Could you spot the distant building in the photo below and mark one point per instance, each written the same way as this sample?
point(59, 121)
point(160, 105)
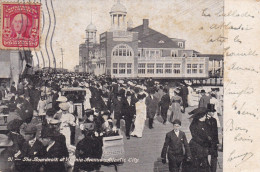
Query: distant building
point(126, 51)
point(90, 59)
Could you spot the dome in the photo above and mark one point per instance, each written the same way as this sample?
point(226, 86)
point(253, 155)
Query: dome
point(91, 27)
point(118, 7)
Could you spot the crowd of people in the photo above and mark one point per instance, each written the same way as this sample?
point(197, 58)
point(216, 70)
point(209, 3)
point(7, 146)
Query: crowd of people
point(105, 102)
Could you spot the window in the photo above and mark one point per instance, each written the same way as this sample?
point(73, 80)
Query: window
point(194, 65)
point(139, 53)
point(121, 71)
point(176, 71)
point(177, 65)
point(184, 55)
point(121, 65)
point(129, 65)
point(141, 65)
point(161, 42)
point(177, 68)
point(150, 71)
point(193, 68)
point(152, 53)
point(122, 50)
point(159, 65)
point(114, 65)
point(201, 68)
point(168, 71)
point(141, 71)
point(159, 71)
point(180, 44)
point(147, 53)
point(129, 71)
point(114, 71)
point(168, 65)
point(150, 65)
point(174, 53)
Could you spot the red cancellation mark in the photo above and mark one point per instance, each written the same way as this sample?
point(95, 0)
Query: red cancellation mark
point(20, 25)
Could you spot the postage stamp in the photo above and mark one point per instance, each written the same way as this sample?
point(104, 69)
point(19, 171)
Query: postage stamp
point(20, 25)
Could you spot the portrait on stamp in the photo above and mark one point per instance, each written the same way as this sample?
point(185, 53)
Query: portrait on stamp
point(20, 25)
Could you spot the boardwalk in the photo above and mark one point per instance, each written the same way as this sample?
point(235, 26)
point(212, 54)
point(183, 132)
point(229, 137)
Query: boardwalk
point(148, 148)
point(143, 152)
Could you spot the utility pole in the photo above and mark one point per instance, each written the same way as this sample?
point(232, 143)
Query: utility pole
point(61, 58)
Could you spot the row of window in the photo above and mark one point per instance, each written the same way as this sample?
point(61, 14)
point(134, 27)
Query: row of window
point(126, 68)
point(159, 65)
point(122, 65)
point(122, 50)
point(159, 71)
point(122, 71)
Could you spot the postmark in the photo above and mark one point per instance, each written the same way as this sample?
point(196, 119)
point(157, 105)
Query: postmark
point(20, 25)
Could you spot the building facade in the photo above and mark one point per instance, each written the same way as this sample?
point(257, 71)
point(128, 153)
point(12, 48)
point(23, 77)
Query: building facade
point(127, 52)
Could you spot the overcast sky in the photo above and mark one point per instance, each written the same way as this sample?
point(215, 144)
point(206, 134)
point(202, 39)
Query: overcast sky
point(175, 18)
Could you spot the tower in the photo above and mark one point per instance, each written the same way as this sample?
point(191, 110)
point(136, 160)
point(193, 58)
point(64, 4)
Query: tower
point(118, 17)
point(91, 33)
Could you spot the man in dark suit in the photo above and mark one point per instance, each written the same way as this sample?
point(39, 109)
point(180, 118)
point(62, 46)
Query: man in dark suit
point(151, 106)
point(173, 145)
point(164, 105)
point(213, 132)
point(55, 97)
point(184, 95)
point(31, 149)
point(104, 104)
point(117, 109)
point(53, 151)
point(128, 111)
point(204, 100)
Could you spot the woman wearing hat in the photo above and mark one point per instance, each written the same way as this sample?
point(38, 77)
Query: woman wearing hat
point(140, 116)
point(14, 133)
point(175, 108)
point(89, 147)
point(200, 142)
point(67, 120)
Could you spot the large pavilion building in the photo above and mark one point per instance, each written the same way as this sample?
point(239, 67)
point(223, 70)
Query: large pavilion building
point(124, 51)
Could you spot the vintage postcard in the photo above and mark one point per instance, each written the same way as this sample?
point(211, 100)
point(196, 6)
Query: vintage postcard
point(129, 86)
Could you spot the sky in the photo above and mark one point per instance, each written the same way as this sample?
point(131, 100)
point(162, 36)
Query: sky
point(175, 18)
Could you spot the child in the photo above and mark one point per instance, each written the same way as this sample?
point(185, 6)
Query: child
point(41, 108)
point(173, 146)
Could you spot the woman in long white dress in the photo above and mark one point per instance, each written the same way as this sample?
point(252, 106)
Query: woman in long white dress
point(87, 99)
point(193, 99)
point(67, 120)
point(140, 116)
